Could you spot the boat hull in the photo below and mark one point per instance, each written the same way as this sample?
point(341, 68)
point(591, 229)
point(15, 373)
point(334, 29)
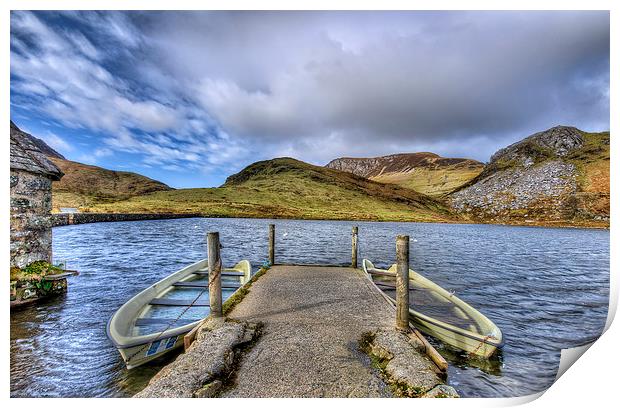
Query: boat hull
point(476, 344)
point(461, 341)
point(144, 353)
point(139, 349)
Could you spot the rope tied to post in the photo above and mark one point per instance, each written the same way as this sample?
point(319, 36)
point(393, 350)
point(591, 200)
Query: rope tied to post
point(483, 341)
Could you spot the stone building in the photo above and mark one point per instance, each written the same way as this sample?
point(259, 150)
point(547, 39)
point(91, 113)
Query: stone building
point(31, 200)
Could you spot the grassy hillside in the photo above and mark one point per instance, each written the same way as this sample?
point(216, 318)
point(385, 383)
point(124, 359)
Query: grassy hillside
point(84, 186)
point(434, 181)
point(288, 188)
point(592, 163)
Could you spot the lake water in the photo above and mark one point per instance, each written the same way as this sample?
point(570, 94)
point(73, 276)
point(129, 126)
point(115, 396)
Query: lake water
point(546, 288)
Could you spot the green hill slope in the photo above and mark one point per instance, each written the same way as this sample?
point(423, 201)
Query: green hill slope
point(83, 185)
point(288, 188)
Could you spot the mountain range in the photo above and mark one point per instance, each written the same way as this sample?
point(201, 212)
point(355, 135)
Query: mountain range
point(289, 188)
point(427, 173)
point(556, 177)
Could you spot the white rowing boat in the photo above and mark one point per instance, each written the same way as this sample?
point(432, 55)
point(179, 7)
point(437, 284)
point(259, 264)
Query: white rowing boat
point(439, 313)
point(156, 320)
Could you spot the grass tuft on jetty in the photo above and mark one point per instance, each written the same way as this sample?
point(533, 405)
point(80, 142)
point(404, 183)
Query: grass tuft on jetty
point(238, 296)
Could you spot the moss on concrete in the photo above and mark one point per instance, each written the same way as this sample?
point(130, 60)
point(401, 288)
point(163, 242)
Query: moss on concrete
point(403, 368)
point(238, 296)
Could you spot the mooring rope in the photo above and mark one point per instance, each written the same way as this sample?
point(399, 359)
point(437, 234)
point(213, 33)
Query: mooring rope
point(483, 341)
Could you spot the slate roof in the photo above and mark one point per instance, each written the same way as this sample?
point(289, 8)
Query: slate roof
point(25, 155)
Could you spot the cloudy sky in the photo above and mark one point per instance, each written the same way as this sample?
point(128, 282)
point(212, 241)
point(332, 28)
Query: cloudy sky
point(191, 97)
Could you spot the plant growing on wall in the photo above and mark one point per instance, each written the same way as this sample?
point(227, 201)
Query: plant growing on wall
point(34, 274)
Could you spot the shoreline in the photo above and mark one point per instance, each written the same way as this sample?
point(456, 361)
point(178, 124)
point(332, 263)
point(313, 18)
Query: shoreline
point(64, 219)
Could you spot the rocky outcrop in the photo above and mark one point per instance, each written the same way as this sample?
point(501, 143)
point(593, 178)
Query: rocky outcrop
point(400, 358)
point(541, 178)
point(202, 370)
point(395, 163)
point(557, 141)
point(39, 144)
point(543, 188)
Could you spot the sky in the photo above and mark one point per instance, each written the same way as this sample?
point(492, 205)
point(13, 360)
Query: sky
point(189, 98)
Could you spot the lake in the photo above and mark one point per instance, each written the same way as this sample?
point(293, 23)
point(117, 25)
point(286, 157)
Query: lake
point(546, 288)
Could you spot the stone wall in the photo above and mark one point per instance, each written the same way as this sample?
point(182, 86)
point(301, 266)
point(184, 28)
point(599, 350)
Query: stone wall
point(84, 218)
point(31, 202)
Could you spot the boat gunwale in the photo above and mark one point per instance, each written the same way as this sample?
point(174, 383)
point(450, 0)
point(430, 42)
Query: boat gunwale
point(446, 326)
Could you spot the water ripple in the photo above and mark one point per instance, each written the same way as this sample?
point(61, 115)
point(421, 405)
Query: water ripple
point(546, 288)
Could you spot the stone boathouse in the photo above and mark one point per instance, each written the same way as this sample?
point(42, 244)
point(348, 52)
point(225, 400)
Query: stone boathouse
point(32, 174)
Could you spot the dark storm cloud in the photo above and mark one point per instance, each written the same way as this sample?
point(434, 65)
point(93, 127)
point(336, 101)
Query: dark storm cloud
point(392, 79)
point(314, 85)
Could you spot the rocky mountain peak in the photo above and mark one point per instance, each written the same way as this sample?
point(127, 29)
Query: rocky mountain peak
point(395, 163)
point(559, 174)
point(557, 141)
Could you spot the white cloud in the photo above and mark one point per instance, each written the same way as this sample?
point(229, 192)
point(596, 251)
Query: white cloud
point(201, 90)
point(57, 143)
point(147, 115)
point(102, 152)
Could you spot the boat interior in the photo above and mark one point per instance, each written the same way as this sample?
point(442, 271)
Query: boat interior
point(427, 301)
point(184, 302)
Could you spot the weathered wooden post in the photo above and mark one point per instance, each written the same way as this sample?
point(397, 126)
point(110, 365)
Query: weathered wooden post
point(215, 274)
point(272, 244)
point(402, 282)
point(354, 247)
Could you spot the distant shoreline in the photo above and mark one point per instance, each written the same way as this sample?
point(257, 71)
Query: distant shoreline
point(63, 219)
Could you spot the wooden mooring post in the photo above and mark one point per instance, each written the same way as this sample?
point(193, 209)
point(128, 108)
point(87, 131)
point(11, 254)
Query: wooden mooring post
point(215, 274)
point(402, 282)
point(354, 247)
point(272, 244)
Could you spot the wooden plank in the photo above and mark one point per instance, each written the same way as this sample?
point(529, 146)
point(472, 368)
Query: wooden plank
point(385, 285)
point(59, 276)
point(381, 273)
point(205, 272)
point(430, 351)
point(162, 322)
point(178, 302)
point(203, 284)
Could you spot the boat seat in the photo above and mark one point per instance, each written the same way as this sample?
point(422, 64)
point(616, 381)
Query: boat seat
point(202, 284)
point(381, 273)
point(204, 272)
point(178, 302)
point(162, 322)
point(385, 285)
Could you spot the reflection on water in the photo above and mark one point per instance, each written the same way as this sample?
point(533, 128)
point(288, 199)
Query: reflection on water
point(546, 289)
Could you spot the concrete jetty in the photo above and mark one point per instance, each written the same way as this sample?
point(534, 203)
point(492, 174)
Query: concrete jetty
point(304, 331)
point(314, 321)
